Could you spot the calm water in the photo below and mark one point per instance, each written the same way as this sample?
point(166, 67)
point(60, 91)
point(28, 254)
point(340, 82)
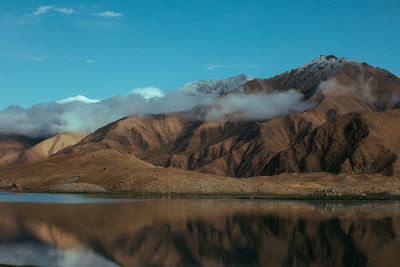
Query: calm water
point(73, 230)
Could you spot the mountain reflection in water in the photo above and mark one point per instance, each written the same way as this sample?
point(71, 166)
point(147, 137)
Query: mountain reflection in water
point(193, 232)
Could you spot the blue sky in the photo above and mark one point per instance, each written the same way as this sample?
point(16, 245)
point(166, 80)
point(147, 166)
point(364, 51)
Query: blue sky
point(50, 50)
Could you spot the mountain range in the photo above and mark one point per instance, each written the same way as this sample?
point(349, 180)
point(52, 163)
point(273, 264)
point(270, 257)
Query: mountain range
point(349, 126)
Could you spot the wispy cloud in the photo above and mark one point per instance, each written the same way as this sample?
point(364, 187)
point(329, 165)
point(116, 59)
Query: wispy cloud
point(90, 61)
point(253, 66)
point(42, 10)
point(213, 66)
point(108, 14)
point(45, 9)
point(64, 10)
point(38, 58)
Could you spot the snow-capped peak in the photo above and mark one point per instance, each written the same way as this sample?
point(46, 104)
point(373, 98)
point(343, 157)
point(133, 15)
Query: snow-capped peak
point(78, 98)
point(214, 87)
point(324, 64)
point(319, 69)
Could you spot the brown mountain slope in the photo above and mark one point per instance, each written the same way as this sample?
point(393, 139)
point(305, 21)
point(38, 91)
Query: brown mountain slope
point(18, 149)
point(230, 148)
point(110, 170)
point(11, 147)
point(49, 146)
point(363, 142)
point(219, 147)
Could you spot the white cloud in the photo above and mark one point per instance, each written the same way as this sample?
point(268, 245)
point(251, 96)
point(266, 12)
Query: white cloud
point(64, 10)
point(78, 98)
point(257, 106)
point(86, 116)
point(108, 14)
point(252, 66)
point(38, 58)
point(148, 92)
point(212, 66)
point(44, 9)
point(90, 61)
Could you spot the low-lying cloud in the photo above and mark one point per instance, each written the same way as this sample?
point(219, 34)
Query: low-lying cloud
point(80, 115)
point(148, 92)
point(364, 90)
point(257, 106)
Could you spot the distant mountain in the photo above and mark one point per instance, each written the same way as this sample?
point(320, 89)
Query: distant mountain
point(214, 87)
point(19, 149)
point(12, 146)
point(49, 146)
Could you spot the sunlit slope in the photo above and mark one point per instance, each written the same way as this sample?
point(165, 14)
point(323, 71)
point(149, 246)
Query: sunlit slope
point(49, 146)
point(112, 171)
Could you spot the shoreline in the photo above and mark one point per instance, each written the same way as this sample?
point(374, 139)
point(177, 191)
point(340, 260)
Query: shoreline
point(135, 195)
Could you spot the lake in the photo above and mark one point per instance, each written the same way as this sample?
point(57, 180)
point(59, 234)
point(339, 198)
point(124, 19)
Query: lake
point(84, 230)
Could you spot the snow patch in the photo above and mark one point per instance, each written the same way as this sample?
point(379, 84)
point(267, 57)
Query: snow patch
point(325, 64)
point(78, 98)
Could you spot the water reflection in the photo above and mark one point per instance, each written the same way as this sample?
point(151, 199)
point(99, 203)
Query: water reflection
point(33, 251)
point(204, 232)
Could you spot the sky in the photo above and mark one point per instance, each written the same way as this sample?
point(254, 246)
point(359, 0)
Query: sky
point(52, 50)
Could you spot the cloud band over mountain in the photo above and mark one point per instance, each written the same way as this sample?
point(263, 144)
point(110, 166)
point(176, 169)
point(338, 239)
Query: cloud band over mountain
point(45, 120)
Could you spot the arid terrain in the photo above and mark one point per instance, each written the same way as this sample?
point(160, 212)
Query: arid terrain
point(20, 149)
point(112, 171)
point(346, 143)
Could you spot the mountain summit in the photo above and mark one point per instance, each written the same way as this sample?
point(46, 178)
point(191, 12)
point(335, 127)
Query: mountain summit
point(325, 64)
